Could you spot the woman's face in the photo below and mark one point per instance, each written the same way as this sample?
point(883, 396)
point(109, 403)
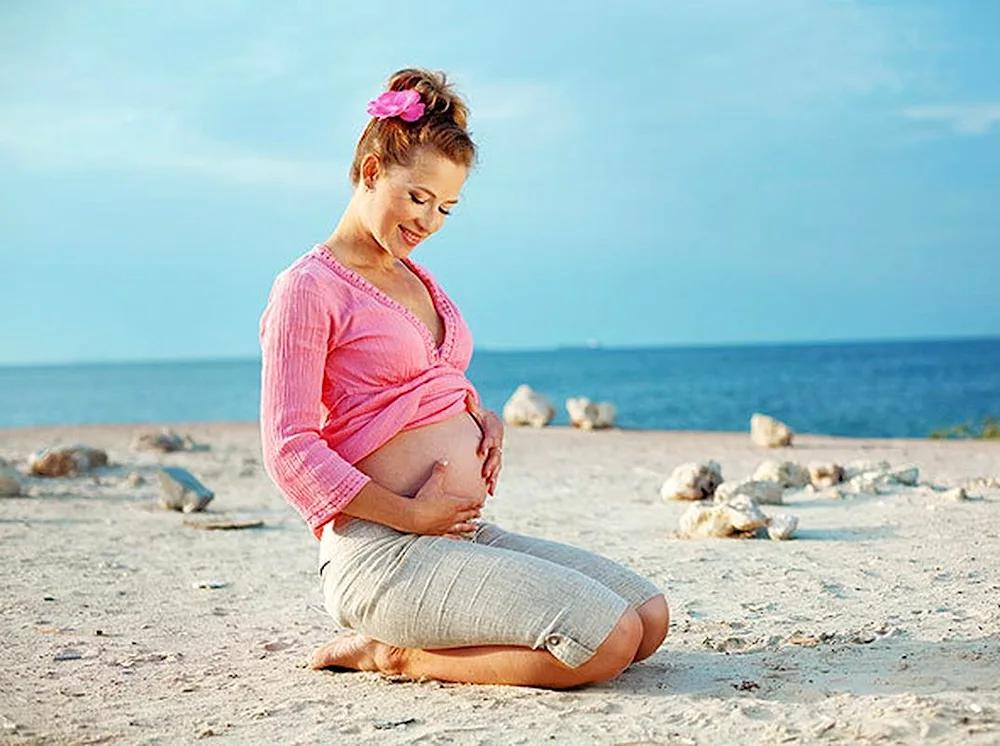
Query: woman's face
point(409, 203)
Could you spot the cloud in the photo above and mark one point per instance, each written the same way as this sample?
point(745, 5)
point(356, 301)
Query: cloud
point(118, 136)
point(965, 119)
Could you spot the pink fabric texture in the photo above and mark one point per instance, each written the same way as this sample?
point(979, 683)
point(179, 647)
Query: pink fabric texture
point(344, 369)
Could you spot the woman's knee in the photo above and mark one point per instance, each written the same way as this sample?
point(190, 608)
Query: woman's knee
point(655, 618)
point(618, 649)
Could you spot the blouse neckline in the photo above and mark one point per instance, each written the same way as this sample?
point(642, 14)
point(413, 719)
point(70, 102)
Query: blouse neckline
point(438, 300)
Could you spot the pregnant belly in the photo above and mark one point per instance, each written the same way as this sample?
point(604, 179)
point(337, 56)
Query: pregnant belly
point(404, 463)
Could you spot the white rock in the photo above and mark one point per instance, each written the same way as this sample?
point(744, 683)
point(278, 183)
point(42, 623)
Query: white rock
point(958, 494)
point(908, 476)
point(768, 432)
point(788, 474)
point(10, 481)
point(588, 415)
point(857, 468)
point(744, 514)
point(782, 526)
point(762, 492)
point(825, 475)
point(705, 522)
point(692, 481)
point(870, 483)
point(527, 407)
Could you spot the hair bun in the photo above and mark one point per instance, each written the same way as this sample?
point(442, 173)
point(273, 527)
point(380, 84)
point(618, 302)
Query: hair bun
point(435, 91)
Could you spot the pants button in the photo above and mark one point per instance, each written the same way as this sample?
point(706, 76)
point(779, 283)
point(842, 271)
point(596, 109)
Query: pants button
point(553, 640)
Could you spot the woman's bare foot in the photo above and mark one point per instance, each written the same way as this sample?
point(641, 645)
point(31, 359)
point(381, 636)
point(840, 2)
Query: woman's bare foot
point(357, 653)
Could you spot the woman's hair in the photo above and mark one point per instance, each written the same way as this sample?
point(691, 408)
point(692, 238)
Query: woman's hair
point(442, 126)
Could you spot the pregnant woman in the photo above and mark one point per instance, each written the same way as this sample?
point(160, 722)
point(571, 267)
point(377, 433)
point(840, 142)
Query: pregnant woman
point(372, 431)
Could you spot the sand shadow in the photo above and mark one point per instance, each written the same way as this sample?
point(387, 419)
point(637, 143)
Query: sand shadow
point(795, 673)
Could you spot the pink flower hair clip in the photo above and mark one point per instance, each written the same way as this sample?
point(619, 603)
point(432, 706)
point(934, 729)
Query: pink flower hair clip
point(403, 104)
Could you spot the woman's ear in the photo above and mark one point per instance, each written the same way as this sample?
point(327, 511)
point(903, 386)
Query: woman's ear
point(370, 169)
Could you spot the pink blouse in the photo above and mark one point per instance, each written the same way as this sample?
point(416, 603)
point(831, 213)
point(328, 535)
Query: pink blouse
point(344, 369)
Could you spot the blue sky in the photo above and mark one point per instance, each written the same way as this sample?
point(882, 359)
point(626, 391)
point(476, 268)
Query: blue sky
point(683, 172)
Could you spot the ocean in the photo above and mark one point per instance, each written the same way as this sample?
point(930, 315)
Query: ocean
point(864, 389)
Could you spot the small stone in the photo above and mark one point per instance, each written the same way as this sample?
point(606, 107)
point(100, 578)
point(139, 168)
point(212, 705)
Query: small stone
point(10, 481)
point(527, 407)
point(588, 415)
point(181, 490)
point(782, 526)
point(66, 462)
point(768, 432)
point(825, 475)
point(211, 585)
point(135, 479)
point(165, 441)
point(787, 474)
point(956, 494)
point(692, 481)
point(68, 654)
point(870, 483)
point(908, 476)
point(764, 493)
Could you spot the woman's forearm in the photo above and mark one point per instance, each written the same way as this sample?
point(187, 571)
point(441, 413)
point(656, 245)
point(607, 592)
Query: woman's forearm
point(377, 504)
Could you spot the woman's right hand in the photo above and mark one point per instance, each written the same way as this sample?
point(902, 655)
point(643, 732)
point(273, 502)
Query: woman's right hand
point(436, 512)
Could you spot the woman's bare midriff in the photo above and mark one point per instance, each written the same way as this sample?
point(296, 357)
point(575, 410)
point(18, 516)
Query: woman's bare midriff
point(404, 463)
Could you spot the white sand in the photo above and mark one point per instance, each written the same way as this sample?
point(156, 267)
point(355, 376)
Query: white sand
point(881, 623)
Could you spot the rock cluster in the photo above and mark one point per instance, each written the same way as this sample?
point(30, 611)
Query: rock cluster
point(66, 461)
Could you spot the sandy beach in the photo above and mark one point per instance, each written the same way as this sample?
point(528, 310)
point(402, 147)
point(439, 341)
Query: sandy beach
point(879, 623)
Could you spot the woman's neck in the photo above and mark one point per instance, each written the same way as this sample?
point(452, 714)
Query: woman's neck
point(354, 245)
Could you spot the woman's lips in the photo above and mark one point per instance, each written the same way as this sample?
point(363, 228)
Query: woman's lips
point(411, 238)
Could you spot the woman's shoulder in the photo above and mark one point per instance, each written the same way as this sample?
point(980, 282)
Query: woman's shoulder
point(311, 273)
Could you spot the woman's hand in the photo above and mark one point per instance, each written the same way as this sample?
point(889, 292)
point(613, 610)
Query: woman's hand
point(491, 444)
point(436, 512)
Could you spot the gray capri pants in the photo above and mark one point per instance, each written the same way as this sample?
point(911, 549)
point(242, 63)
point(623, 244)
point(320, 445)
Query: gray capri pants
point(492, 588)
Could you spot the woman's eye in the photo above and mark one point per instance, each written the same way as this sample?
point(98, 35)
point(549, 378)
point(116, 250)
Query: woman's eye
point(444, 211)
point(418, 201)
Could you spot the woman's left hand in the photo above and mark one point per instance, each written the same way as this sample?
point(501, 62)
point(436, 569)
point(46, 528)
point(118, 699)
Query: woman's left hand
point(491, 444)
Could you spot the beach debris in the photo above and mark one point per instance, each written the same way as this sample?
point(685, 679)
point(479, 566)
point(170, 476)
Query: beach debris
point(10, 481)
point(825, 474)
point(528, 407)
point(741, 516)
point(66, 461)
point(788, 474)
point(762, 492)
point(781, 526)
point(588, 415)
point(224, 525)
point(68, 654)
point(876, 478)
point(957, 494)
point(390, 724)
point(746, 686)
point(181, 490)
point(768, 432)
point(692, 481)
point(210, 585)
point(135, 479)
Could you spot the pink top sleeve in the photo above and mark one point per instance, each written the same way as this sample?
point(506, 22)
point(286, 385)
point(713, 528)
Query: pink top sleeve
point(296, 331)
